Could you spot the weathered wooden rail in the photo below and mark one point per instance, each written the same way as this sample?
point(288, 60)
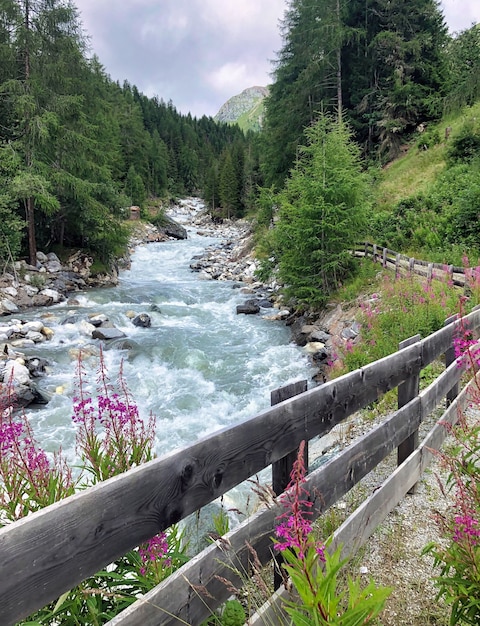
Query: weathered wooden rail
point(401, 263)
point(49, 552)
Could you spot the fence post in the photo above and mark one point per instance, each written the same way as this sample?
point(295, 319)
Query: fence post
point(282, 468)
point(408, 390)
point(411, 265)
point(374, 253)
point(449, 359)
point(429, 273)
point(450, 274)
point(384, 258)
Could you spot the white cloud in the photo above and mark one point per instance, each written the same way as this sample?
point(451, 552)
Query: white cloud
point(199, 53)
point(461, 14)
point(228, 77)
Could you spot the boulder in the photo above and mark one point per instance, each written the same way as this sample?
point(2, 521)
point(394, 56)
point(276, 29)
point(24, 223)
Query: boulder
point(143, 320)
point(7, 306)
point(36, 366)
point(107, 334)
point(53, 294)
point(172, 229)
point(249, 308)
point(16, 370)
point(34, 326)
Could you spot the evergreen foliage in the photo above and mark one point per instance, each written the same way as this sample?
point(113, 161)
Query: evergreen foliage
point(322, 213)
point(381, 63)
point(76, 148)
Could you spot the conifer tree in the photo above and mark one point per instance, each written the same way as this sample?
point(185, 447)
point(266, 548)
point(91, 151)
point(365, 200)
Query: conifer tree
point(322, 212)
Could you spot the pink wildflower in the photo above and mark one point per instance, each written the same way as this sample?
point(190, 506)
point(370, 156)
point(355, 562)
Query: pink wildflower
point(295, 525)
point(466, 528)
point(154, 552)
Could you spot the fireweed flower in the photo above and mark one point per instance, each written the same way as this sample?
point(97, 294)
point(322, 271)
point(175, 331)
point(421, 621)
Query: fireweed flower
point(295, 527)
point(466, 527)
point(155, 552)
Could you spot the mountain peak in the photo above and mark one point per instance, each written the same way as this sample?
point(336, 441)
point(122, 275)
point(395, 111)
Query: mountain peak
point(245, 109)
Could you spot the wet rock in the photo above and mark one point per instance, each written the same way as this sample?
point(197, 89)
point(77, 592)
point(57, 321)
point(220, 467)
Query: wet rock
point(143, 320)
point(107, 334)
point(7, 306)
point(249, 308)
point(72, 319)
point(16, 371)
point(36, 366)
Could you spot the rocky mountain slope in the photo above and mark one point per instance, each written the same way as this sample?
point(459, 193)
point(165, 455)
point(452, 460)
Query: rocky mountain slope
point(245, 109)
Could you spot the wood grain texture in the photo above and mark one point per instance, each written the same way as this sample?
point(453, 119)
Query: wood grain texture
point(356, 530)
point(330, 482)
point(51, 551)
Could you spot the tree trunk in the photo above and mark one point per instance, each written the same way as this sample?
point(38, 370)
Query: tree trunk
point(339, 68)
point(32, 243)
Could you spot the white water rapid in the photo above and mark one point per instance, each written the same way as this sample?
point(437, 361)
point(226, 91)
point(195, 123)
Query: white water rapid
point(198, 368)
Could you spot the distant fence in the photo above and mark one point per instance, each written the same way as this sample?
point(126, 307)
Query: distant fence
point(51, 551)
point(401, 263)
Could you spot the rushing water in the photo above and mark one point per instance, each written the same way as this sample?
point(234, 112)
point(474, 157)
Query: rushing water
point(198, 368)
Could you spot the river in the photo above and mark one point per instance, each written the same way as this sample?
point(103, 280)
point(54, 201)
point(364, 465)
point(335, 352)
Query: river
point(198, 368)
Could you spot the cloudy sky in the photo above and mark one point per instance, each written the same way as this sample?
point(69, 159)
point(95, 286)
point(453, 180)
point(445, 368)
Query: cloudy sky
point(199, 53)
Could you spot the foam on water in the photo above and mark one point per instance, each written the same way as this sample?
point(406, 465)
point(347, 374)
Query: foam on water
point(199, 367)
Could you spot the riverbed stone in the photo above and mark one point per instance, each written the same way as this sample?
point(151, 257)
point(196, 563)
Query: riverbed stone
point(53, 294)
point(35, 326)
point(107, 333)
point(249, 308)
point(35, 336)
point(17, 371)
point(7, 306)
point(143, 320)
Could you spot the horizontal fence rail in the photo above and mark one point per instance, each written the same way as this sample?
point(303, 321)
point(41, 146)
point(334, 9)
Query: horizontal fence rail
point(402, 264)
point(51, 551)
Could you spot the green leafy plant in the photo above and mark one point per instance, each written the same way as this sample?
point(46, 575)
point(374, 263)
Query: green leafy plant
point(458, 556)
point(111, 438)
point(314, 571)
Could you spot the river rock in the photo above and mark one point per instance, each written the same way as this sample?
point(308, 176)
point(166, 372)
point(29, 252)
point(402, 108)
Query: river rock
point(98, 319)
point(249, 308)
point(86, 328)
point(53, 294)
point(172, 229)
point(72, 319)
point(143, 320)
point(35, 336)
point(107, 333)
point(7, 306)
point(34, 326)
point(36, 366)
point(41, 299)
point(48, 332)
point(84, 352)
point(17, 371)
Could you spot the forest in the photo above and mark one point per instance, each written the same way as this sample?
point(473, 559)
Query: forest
point(353, 85)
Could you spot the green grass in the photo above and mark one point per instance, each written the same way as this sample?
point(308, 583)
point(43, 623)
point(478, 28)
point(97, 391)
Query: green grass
point(417, 169)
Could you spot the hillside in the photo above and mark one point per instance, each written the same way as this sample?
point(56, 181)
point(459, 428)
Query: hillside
point(245, 109)
point(426, 201)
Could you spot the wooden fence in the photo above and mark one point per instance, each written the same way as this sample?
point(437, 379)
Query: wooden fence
point(51, 551)
point(403, 264)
